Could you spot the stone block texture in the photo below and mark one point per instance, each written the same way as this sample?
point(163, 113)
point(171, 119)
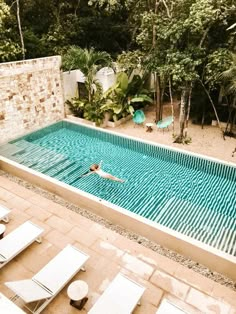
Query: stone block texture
point(31, 96)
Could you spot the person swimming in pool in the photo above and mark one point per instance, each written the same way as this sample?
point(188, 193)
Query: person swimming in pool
point(95, 168)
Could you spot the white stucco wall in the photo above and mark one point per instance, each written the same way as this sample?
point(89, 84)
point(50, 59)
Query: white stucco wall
point(70, 83)
point(105, 76)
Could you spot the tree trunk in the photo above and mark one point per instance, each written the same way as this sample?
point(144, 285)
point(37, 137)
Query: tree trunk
point(203, 115)
point(233, 122)
point(77, 6)
point(234, 117)
point(20, 30)
point(157, 96)
point(158, 86)
point(182, 115)
point(182, 112)
point(229, 122)
point(171, 103)
point(155, 93)
point(213, 106)
point(188, 111)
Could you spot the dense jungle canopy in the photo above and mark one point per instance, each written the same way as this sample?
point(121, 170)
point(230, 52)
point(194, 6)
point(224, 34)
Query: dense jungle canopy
point(189, 45)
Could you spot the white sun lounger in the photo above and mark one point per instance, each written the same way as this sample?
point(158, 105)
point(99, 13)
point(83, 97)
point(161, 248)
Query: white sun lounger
point(4, 213)
point(18, 240)
point(167, 307)
point(121, 297)
point(48, 282)
point(8, 307)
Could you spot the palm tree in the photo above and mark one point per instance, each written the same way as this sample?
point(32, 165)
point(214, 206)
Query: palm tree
point(89, 62)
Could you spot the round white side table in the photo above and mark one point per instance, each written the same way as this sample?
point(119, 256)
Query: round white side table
point(77, 292)
point(2, 230)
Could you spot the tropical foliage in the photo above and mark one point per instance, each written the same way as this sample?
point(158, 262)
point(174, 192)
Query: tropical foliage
point(125, 96)
point(89, 62)
point(183, 45)
point(9, 50)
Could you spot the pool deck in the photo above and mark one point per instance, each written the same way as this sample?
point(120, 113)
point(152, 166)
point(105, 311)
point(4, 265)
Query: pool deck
point(207, 141)
point(109, 253)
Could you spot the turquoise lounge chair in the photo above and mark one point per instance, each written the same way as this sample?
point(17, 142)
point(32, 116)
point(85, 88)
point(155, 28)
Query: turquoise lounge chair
point(139, 117)
point(164, 123)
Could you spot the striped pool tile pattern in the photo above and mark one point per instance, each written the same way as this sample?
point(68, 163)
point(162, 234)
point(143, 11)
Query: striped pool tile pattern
point(184, 192)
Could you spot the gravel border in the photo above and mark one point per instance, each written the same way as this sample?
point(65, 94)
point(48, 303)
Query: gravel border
point(199, 268)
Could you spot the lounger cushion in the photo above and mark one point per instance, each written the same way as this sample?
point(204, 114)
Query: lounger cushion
point(17, 240)
point(8, 307)
point(121, 297)
point(168, 307)
point(60, 268)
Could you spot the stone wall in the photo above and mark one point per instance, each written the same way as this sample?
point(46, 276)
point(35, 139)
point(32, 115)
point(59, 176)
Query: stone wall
point(31, 96)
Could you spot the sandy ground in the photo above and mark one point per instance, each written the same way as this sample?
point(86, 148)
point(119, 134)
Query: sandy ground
point(207, 141)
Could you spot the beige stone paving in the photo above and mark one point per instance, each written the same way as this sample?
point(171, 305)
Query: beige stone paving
point(109, 253)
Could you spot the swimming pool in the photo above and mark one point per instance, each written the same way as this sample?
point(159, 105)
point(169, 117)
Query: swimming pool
point(184, 192)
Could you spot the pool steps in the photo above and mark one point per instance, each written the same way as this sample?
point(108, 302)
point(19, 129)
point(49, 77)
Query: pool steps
point(9, 150)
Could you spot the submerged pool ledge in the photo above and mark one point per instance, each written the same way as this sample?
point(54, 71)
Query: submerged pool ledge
point(212, 258)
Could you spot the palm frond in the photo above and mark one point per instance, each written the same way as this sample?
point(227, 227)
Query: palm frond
point(87, 60)
point(231, 88)
point(229, 74)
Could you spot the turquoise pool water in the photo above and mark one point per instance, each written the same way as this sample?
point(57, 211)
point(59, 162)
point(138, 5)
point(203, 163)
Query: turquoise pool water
point(189, 194)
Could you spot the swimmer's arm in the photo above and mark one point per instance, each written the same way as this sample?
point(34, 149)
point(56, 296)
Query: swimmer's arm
point(86, 174)
point(100, 164)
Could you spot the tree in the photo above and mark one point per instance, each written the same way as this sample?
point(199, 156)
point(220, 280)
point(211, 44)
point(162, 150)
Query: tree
point(52, 26)
point(8, 48)
point(178, 37)
point(20, 29)
point(229, 81)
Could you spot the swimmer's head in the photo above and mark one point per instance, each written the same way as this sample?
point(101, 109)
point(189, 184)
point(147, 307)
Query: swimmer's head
point(94, 167)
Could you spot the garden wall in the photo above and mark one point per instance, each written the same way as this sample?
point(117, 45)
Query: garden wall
point(70, 83)
point(31, 96)
point(105, 76)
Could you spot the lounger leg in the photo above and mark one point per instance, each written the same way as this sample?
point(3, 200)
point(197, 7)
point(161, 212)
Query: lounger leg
point(14, 298)
point(6, 219)
point(39, 240)
point(82, 269)
point(79, 304)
